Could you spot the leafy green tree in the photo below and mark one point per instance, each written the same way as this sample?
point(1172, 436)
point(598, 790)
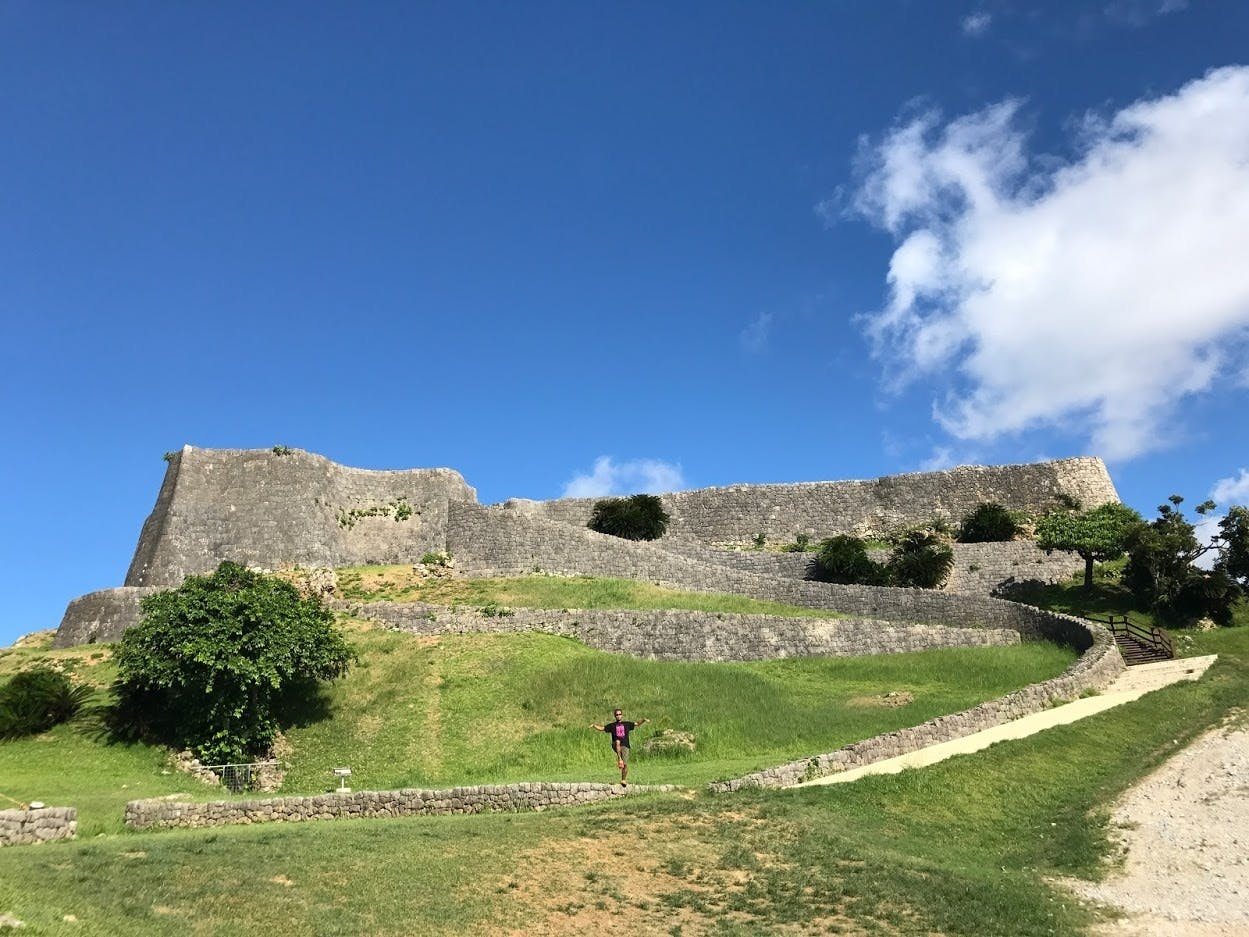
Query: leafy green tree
point(1097, 535)
point(214, 662)
point(637, 517)
point(1162, 568)
point(1234, 544)
point(989, 522)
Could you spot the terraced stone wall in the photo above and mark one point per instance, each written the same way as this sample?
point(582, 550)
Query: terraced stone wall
point(691, 636)
point(1098, 665)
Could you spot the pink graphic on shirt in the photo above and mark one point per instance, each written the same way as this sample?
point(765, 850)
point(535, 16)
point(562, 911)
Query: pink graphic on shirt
point(620, 732)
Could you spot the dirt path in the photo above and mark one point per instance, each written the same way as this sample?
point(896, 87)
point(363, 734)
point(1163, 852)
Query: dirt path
point(1185, 830)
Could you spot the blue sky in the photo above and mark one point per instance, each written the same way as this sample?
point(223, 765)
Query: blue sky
point(592, 247)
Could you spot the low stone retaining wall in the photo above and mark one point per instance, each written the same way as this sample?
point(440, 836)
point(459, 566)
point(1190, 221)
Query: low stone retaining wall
point(42, 825)
point(690, 636)
point(1100, 664)
point(490, 798)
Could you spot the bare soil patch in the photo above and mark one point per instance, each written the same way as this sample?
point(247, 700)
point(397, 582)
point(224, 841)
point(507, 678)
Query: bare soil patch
point(1184, 838)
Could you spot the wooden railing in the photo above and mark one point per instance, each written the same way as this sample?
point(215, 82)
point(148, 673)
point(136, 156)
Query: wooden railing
point(1150, 636)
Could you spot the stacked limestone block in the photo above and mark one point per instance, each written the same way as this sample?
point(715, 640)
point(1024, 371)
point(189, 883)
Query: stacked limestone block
point(39, 825)
point(489, 798)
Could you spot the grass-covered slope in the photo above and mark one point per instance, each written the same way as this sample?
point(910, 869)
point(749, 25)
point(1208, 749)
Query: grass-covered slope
point(965, 848)
point(402, 584)
point(425, 711)
point(465, 709)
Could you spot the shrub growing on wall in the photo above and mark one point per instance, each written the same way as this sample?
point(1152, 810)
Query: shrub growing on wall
point(215, 661)
point(990, 522)
point(922, 560)
point(844, 559)
point(637, 517)
point(35, 700)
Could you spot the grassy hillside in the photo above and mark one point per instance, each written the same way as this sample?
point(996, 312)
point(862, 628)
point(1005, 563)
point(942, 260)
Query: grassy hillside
point(435, 711)
point(965, 848)
point(463, 709)
point(401, 584)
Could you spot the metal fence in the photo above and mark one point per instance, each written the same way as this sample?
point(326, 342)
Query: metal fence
point(241, 777)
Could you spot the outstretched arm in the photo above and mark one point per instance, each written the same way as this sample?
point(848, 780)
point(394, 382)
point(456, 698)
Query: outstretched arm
point(596, 728)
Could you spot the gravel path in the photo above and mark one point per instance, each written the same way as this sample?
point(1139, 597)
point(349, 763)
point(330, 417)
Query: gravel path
point(1185, 830)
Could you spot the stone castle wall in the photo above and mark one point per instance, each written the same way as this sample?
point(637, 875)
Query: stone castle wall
point(266, 509)
point(737, 513)
point(276, 509)
point(689, 635)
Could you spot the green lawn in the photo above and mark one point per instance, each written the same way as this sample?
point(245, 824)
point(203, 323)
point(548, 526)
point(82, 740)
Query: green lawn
point(469, 709)
point(492, 708)
point(401, 584)
point(965, 847)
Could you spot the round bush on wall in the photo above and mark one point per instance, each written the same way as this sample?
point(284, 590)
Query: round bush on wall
point(844, 559)
point(921, 560)
point(990, 522)
point(637, 517)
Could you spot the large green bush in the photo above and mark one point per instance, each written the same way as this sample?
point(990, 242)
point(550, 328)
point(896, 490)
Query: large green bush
point(35, 700)
point(844, 559)
point(1097, 535)
point(637, 517)
point(989, 522)
point(922, 559)
point(215, 663)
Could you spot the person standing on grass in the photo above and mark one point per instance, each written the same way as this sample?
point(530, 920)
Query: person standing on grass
point(618, 732)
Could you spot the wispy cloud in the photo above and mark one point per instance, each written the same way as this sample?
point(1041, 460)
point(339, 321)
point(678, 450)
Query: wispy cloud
point(608, 477)
point(754, 338)
point(1232, 490)
point(977, 24)
point(1095, 294)
point(1138, 13)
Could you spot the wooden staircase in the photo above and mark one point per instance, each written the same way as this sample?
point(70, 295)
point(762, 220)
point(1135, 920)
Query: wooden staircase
point(1138, 644)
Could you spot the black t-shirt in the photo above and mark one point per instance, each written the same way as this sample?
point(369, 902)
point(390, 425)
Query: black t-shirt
point(619, 730)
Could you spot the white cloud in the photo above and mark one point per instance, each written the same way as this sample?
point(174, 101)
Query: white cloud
point(646, 476)
point(754, 337)
point(1094, 293)
point(1234, 490)
point(976, 24)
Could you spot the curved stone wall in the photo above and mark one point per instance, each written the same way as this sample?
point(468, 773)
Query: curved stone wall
point(1098, 665)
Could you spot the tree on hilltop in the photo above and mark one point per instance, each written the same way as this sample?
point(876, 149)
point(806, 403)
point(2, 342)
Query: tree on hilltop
point(1097, 535)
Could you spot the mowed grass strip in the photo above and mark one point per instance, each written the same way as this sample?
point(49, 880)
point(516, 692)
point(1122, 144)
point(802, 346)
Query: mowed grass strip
point(475, 709)
point(965, 848)
point(403, 584)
